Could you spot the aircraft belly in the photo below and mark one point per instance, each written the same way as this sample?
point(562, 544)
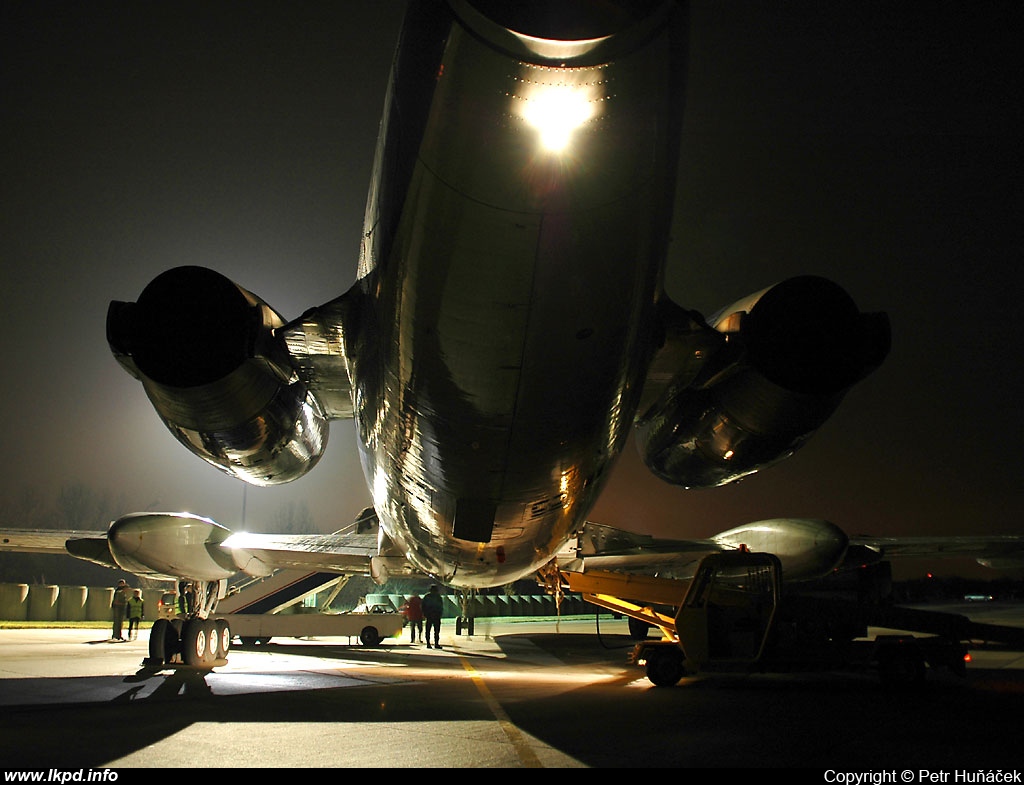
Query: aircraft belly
point(515, 360)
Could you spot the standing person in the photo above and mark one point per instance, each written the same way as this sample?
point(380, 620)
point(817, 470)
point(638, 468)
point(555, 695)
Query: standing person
point(134, 611)
point(433, 608)
point(117, 609)
point(413, 612)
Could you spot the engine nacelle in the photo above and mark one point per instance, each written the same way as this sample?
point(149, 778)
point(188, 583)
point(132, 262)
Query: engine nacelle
point(791, 352)
point(176, 545)
point(207, 356)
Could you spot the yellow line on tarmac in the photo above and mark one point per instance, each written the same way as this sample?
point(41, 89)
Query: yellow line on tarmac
point(526, 754)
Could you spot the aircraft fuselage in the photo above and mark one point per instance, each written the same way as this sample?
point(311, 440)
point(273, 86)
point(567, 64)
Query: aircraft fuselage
point(508, 288)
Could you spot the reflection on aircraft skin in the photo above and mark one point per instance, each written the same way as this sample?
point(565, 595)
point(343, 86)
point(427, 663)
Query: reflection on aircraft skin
point(509, 325)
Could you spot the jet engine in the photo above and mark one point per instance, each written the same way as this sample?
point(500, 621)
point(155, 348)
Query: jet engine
point(206, 353)
point(175, 545)
point(786, 358)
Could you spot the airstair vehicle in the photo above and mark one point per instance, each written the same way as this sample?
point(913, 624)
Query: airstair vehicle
point(736, 616)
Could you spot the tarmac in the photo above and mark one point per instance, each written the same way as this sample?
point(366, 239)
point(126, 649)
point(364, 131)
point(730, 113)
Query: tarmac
point(538, 694)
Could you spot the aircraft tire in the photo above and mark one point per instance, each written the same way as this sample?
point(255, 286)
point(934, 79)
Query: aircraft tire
point(194, 643)
point(212, 643)
point(369, 636)
point(223, 638)
point(163, 642)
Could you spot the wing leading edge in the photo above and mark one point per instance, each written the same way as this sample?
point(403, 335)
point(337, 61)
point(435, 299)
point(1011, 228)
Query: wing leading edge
point(1000, 552)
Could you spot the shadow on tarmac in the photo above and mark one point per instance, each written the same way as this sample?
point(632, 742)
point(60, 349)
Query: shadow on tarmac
point(588, 704)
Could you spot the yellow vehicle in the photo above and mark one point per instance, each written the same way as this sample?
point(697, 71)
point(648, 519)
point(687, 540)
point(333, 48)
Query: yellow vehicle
point(734, 618)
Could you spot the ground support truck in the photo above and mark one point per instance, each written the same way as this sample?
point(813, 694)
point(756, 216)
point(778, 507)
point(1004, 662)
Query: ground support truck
point(734, 616)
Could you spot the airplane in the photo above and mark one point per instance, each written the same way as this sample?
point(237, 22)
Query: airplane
point(508, 328)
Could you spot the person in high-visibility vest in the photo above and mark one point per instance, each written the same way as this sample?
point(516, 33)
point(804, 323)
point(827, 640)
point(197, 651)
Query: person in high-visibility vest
point(134, 611)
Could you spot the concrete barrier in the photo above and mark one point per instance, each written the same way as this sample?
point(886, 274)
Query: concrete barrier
point(71, 602)
point(42, 602)
point(97, 605)
point(13, 601)
point(24, 602)
point(484, 606)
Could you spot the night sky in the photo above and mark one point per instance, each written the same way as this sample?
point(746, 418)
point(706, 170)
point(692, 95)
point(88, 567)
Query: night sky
point(874, 143)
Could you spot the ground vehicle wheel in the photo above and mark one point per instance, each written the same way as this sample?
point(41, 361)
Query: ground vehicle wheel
point(638, 629)
point(223, 638)
point(194, 643)
point(901, 669)
point(369, 636)
point(163, 642)
point(664, 668)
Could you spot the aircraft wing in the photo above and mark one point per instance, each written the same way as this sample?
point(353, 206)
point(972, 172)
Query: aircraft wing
point(341, 553)
point(808, 548)
point(51, 541)
point(608, 549)
point(181, 545)
point(996, 551)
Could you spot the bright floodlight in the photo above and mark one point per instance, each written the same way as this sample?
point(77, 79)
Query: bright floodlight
point(556, 112)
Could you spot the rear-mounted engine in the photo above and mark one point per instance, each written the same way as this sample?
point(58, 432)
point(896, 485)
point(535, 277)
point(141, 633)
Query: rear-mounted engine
point(206, 353)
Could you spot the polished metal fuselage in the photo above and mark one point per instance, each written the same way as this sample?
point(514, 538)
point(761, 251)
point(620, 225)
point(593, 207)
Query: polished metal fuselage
point(507, 292)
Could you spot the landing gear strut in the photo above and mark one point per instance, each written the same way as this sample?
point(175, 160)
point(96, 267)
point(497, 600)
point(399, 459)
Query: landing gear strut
point(464, 622)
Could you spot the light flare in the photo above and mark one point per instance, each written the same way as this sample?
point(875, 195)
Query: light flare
point(556, 112)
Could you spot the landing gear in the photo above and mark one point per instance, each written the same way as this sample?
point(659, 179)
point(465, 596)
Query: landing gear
point(464, 621)
point(198, 641)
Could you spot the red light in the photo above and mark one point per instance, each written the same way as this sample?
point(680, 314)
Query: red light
point(967, 657)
